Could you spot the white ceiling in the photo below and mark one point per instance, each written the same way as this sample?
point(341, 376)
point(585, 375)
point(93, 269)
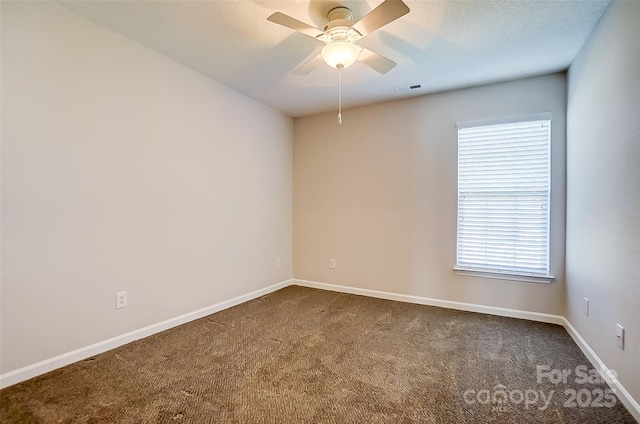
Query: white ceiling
point(441, 44)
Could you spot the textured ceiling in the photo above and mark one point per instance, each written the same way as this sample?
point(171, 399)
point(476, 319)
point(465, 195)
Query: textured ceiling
point(441, 44)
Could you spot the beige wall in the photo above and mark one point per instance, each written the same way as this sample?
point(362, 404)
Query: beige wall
point(603, 190)
point(378, 194)
point(123, 170)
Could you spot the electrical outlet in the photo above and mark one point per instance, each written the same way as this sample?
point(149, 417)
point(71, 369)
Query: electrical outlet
point(620, 336)
point(586, 306)
point(332, 263)
point(121, 300)
point(277, 262)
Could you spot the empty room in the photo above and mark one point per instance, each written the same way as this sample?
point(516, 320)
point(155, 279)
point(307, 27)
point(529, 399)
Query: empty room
point(320, 211)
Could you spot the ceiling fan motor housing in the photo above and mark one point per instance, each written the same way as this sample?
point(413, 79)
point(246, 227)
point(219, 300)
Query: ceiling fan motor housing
point(339, 26)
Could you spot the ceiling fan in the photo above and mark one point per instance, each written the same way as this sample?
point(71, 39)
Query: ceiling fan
point(340, 35)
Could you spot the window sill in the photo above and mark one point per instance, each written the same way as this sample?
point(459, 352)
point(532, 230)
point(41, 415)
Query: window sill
point(512, 276)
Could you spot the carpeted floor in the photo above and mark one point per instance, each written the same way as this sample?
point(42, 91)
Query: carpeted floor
point(301, 355)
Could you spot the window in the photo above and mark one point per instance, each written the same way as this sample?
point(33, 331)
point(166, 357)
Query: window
point(503, 199)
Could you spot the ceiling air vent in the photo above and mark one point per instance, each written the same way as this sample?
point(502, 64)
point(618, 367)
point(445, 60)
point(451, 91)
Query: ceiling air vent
point(409, 87)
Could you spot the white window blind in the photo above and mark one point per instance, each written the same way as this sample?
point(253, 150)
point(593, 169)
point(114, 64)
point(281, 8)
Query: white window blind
point(503, 197)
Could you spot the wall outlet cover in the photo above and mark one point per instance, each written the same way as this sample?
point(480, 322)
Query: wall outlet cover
point(620, 336)
point(586, 306)
point(121, 300)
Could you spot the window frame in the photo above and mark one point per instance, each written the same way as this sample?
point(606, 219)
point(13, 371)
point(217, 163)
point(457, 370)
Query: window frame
point(506, 274)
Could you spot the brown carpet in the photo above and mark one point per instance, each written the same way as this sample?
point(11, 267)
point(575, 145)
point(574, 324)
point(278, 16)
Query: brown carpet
point(301, 355)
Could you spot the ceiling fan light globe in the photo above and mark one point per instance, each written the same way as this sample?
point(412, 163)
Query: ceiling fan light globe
point(340, 53)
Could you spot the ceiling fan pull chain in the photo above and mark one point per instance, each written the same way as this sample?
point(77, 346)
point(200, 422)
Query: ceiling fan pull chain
point(340, 94)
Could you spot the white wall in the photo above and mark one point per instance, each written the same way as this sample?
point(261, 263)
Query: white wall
point(379, 194)
point(123, 170)
point(603, 190)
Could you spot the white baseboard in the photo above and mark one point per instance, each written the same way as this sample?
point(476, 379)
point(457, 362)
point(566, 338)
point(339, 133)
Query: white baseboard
point(30, 371)
point(624, 396)
point(461, 306)
point(59, 361)
point(607, 375)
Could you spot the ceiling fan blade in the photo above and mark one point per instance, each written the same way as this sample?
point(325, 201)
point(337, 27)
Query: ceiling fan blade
point(294, 24)
point(386, 12)
point(376, 62)
point(308, 66)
